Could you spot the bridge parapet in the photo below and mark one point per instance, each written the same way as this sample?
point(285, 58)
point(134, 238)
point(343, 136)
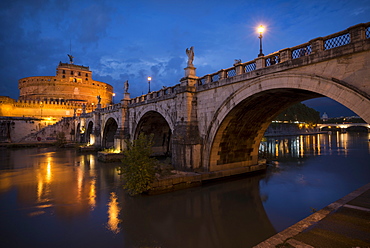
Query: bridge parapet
point(111, 108)
point(352, 35)
point(162, 94)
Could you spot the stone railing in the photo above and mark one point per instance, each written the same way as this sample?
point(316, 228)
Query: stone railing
point(162, 93)
point(351, 35)
point(110, 108)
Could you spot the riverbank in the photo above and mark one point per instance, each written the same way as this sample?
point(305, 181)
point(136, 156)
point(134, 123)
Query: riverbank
point(344, 223)
point(36, 144)
point(182, 180)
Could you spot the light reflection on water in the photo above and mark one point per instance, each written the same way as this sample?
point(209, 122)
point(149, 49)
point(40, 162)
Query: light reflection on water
point(311, 171)
point(60, 198)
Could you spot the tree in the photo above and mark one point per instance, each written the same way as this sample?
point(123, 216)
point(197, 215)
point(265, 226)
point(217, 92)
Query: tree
point(138, 168)
point(299, 112)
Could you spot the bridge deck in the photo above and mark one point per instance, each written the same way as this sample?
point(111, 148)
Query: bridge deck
point(344, 223)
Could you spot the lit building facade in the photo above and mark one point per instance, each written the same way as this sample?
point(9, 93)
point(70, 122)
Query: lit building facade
point(66, 94)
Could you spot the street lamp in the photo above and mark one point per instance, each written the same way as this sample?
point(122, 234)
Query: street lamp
point(149, 79)
point(113, 95)
point(260, 30)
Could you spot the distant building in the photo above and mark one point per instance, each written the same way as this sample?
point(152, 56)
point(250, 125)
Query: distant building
point(44, 100)
point(324, 117)
point(57, 96)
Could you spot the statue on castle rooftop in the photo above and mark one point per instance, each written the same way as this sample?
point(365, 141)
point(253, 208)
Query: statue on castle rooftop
point(99, 99)
point(70, 58)
point(190, 53)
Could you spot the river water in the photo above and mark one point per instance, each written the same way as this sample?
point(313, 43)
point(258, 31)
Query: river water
point(61, 198)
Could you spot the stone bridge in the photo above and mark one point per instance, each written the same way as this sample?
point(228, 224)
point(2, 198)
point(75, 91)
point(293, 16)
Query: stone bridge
point(344, 126)
point(216, 122)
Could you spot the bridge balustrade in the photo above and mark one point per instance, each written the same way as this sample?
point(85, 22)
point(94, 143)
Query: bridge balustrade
point(272, 60)
point(337, 41)
point(319, 44)
point(166, 91)
point(301, 50)
point(249, 66)
point(231, 72)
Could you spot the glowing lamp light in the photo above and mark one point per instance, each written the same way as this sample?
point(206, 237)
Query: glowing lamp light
point(261, 29)
point(149, 79)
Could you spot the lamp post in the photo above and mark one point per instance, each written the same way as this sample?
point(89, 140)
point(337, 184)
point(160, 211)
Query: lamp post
point(113, 95)
point(149, 79)
point(260, 30)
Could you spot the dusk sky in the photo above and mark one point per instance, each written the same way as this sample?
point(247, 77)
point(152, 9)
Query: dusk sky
point(133, 39)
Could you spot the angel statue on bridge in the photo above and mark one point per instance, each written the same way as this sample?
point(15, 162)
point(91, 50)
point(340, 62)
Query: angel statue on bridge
point(190, 53)
point(126, 85)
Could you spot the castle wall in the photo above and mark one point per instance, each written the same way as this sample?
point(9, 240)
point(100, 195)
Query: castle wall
point(41, 109)
point(14, 129)
point(72, 83)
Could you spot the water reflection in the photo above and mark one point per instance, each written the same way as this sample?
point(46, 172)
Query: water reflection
point(73, 193)
point(310, 172)
point(113, 213)
point(307, 145)
point(60, 198)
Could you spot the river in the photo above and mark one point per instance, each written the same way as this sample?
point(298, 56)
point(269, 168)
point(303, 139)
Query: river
point(53, 197)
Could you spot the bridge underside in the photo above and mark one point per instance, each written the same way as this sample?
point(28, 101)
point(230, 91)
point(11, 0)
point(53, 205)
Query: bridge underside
point(154, 123)
point(237, 140)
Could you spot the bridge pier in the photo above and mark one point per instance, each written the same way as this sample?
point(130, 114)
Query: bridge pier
point(97, 128)
point(186, 141)
point(186, 147)
point(122, 133)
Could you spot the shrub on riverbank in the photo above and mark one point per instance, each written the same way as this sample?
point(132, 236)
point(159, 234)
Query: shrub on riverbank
point(138, 168)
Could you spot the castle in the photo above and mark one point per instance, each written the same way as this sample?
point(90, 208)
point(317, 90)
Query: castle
point(44, 100)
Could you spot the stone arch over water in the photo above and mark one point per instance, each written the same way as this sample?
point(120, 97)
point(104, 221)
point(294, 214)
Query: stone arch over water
point(89, 130)
point(110, 129)
point(234, 134)
point(153, 123)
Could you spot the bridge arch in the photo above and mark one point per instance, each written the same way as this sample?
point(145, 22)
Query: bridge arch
point(89, 131)
point(152, 108)
point(110, 129)
point(154, 123)
point(234, 134)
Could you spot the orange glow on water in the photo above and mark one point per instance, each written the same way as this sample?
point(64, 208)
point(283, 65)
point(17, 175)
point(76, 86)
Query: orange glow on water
point(113, 214)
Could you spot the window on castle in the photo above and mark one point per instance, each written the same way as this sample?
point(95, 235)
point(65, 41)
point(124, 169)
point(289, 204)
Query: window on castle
point(64, 71)
point(64, 76)
point(71, 72)
point(75, 80)
point(87, 75)
point(87, 79)
point(79, 73)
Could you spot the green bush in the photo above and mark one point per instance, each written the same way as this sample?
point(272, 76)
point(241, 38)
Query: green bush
point(138, 168)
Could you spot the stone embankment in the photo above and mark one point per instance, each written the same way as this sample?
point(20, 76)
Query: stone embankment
point(181, 180)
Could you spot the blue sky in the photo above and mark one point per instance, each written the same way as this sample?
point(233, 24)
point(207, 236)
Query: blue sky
point(133, 39)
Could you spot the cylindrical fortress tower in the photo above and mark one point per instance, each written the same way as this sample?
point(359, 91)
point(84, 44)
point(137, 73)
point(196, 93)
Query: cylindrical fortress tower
point(72, 83)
